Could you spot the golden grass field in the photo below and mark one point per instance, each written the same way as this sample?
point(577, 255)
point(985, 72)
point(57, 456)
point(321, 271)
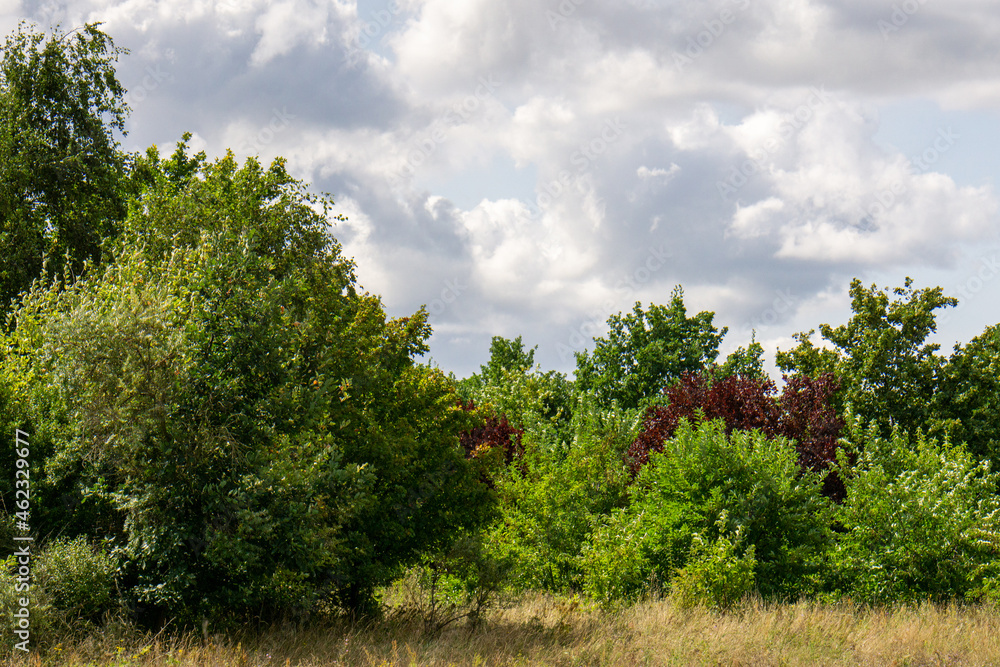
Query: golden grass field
point(540, 630)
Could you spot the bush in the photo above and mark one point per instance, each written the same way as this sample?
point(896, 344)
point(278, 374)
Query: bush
point(921, 520)
point(716, 574)
point(237, 409)
point(548, 509)
point(460, 582)
point(78, 580)
point(707, 483)
point(614, 566)
point(71, 592)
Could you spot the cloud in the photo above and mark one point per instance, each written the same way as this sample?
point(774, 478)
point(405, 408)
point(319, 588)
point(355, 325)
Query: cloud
point(728, 145)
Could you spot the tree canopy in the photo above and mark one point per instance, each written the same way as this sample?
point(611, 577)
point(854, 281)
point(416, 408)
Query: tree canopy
point(647, 349)
point(62, 175)
point(254, 430)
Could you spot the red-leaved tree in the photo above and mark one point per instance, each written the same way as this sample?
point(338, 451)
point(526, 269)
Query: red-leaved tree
point(802, 413)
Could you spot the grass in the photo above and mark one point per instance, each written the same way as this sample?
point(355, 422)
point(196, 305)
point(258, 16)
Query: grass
point(542, 630)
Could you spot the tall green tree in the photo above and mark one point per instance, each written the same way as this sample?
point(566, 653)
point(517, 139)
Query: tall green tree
point(969, 394)
point(257, 430)
point(62, 174)
point(886, 369)
point(646, 350)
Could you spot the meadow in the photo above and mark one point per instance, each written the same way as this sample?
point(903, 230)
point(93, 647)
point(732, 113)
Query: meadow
point(549, 630)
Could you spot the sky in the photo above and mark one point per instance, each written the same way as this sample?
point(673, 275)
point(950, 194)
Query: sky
point(530, 167)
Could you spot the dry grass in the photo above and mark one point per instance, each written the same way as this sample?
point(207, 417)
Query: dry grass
point(548, 631)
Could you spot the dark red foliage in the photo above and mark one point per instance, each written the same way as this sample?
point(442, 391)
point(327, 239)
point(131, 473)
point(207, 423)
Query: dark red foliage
point(810, 420)
point(802, 413)
point(494, 432)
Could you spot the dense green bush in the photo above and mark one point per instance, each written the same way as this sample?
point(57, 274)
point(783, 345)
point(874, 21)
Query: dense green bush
point(702, 475)
point(921, 520)
point(548, 508)
point(78, 580)
point(719, 573)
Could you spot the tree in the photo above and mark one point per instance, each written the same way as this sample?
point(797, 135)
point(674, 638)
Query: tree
point(509, 387)
point(62, 175)
point(646, 350)
point(742, 486)
point(743, 361)
point(921, 521)
point(885, 369)
point(969, 394)
point(257, 429)
point(507, 355)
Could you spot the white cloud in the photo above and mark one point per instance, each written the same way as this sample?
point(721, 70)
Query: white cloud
point(734, 136)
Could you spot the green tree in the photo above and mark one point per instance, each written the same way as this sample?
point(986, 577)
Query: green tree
point(508, 384)
point(743, 361)
point(646, 350)
point(969, 393)
point(257, 430)
point(507, 355)
point(886, 370)
point(705, 482)
point(62, 175)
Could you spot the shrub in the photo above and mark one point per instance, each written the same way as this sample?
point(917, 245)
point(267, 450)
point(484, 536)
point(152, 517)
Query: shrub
point(716, 574)
point(921, 520)
point(239, 410)
point(709, 483)
point(460, 582)
point(78, 580)
point(548, 508)
point(614, 566)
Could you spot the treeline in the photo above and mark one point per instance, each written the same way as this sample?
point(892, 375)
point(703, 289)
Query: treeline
point(224, 429)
